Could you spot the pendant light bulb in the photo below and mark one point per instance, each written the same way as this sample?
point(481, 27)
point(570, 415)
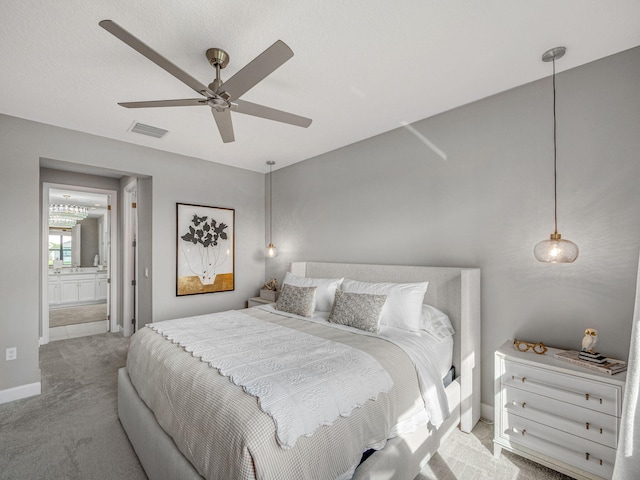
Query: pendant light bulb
point(556, 249)
point(271, 251)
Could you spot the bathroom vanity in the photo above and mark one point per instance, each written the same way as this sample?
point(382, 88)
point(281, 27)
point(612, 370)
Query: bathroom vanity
point(77, 285)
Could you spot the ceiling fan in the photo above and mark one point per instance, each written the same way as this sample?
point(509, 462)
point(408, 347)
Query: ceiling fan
point(222, 97)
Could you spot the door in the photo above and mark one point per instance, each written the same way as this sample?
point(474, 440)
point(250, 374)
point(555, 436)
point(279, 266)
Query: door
point(130, 260)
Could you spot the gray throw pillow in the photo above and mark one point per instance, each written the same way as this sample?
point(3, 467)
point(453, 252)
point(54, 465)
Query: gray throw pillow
point(358, 310)
point(297, 300)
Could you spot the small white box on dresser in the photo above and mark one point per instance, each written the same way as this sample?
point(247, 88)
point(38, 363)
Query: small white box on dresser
point(560, 415)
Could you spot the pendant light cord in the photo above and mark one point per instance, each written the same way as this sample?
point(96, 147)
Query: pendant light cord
point(270, 203)
point(555, 161)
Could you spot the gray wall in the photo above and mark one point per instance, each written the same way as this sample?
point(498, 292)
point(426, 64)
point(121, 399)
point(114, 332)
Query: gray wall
point(392, 200)
point(89, 238)
point(175, 179)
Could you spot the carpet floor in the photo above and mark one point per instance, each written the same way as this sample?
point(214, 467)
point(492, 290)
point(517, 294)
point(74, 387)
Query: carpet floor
point(59, 317)
point(72, 431)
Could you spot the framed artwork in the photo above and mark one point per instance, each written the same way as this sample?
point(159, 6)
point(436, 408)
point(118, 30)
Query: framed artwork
point(205, 249)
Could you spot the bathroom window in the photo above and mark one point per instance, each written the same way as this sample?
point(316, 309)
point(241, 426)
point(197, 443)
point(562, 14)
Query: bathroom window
point(60, 246)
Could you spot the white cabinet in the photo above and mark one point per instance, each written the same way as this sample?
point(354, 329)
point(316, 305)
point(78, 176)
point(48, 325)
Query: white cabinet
point(54, 291)
point(86, 289)
point(68, 288)
point(557, 414)
point(101, 286)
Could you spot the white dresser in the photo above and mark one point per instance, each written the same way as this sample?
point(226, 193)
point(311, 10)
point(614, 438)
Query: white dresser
point(560, 415)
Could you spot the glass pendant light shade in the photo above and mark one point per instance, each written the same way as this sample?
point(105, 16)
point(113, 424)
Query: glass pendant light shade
point(556, 250)
point(271, 251)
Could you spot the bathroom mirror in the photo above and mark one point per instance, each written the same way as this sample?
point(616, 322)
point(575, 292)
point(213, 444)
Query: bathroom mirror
point(85, 243)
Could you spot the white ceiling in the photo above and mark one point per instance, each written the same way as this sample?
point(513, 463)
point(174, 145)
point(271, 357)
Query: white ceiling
point(360, 68)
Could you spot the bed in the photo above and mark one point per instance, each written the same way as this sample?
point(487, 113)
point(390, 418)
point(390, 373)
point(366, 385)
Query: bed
point(455, 291)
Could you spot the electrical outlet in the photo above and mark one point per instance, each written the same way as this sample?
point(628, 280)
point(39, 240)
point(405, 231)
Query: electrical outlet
point(12, 353)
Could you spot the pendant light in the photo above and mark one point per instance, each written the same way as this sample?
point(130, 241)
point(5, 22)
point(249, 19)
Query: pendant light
point(64, 215)
point(556, 249)
point(271, 251)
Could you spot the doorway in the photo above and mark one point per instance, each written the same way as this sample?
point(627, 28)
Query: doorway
point(79, 263)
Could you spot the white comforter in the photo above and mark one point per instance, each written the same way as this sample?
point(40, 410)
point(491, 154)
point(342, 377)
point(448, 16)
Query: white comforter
point(222, 431)
point(301, 381)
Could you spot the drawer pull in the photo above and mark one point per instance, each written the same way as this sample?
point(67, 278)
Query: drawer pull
point(587, 397)
point(586, 456)
point(588, 426)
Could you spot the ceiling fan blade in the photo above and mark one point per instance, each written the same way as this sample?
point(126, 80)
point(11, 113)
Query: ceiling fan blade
point(225, 126)
point(120, 33)
point(187, 102)
point(256, 70)
point(269, 113)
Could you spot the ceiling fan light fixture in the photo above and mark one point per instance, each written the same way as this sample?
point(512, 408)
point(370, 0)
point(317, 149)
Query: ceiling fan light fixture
point(219, 94)
point(556, 249)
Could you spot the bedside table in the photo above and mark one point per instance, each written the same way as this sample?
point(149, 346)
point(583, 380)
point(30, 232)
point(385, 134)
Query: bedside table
point(254, 301)
point(560, 415)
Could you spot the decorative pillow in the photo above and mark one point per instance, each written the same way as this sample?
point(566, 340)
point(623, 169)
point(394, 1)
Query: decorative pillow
point(436, 322)
point(296, 300)
point(358, 310)
point(403, 308)
point(326, 289)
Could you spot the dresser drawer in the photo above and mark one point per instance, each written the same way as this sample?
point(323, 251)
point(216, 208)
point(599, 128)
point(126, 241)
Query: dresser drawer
point(582, 422)
point(570, 389)
point(586, 455)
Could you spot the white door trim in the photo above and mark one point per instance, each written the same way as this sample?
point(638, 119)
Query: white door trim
point(129, 258)
point(113, 267)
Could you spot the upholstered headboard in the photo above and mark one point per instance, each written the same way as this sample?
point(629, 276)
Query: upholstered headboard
point(455, 291)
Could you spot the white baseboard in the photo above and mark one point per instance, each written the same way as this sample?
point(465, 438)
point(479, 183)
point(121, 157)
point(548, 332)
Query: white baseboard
point(23, 391)
point(486, 411)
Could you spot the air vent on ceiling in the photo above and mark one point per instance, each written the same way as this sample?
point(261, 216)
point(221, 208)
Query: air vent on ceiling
point(148, 130)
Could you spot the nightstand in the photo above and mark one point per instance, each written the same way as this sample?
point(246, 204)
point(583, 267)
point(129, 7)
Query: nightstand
point(560, 415)
point(254, 301)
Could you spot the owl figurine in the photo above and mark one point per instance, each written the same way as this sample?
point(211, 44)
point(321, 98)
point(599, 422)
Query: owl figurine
point(590, 340)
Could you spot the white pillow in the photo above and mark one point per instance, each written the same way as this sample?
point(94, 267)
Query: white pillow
point(325, 291)
point(403, 308)
point(436, 322)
